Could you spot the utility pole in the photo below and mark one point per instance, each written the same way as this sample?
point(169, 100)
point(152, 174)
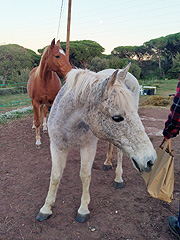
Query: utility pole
point(68, 29)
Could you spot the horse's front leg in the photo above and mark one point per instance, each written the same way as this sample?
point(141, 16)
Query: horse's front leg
point(108, 163)
point(118, 183)
point(87, 157)
point(59, 158)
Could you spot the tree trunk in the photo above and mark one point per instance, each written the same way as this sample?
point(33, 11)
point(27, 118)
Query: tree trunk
point(3, 81)
point(83, 63)
point(159, 62)
point(4, 77)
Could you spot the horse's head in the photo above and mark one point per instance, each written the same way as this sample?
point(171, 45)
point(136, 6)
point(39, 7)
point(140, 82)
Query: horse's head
point(57, 60)
point(114, 118)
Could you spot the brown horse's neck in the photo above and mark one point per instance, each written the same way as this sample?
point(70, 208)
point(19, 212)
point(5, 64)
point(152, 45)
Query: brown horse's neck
point(64, 70)
point(44, 72)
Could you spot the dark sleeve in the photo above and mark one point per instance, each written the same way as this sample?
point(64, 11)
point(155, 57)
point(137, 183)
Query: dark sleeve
point(172, 125)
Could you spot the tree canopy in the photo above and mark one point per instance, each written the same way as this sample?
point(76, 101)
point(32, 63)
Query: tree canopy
point(158, 57)
point(159, 53)
point(83, 51)
point(13, 59)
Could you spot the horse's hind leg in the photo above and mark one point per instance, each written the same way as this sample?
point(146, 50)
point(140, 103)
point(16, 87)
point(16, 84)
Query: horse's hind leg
point(108, 163)
point(59, 158)
point(87, 158)
point(118, 183)
point(45, 117)
point(33, 126)
point(37, 123)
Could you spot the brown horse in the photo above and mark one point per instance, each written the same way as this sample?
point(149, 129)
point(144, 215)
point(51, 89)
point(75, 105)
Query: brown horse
point(44, 83)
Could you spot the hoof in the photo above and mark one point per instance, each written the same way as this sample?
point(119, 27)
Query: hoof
point(82, 218)
point(107, 167)
point(41, 217)
point(38, 146)
point(118, 185)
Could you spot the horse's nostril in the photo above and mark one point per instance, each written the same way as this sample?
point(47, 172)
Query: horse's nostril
point(137, 166)
point(149, 164)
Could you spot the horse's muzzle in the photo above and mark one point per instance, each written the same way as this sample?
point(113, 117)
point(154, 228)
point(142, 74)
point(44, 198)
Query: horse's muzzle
point(136, 165)
point(149, 166)
point(147, 169)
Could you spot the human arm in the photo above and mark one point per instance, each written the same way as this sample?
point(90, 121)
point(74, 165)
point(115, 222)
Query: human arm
point(172, 125)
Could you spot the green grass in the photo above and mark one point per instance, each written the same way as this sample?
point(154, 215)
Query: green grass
point(13, 101)
point(163, 87)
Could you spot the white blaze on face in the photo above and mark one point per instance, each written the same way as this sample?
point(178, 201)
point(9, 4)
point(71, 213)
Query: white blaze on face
point(62, 52)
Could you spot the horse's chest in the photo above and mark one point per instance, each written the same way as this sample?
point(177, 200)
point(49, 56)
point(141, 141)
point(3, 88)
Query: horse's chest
point(46, 95)
point(47, 98)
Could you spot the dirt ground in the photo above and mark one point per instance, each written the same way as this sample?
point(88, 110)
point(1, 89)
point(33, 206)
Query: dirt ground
point(128, 213)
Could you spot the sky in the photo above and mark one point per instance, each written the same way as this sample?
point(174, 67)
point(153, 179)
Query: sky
point(112, 23)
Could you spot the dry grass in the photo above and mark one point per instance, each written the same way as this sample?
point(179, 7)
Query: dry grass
point(156, 100)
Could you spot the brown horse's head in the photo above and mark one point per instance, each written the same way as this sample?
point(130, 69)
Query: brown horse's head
point(57, 60)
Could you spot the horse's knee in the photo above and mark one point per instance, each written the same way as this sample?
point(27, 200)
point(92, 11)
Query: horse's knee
point(37, 123)
point(55, 180)
point(85, 178)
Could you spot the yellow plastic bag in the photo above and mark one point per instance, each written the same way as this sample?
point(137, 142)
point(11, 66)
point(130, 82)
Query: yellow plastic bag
point(160, 181)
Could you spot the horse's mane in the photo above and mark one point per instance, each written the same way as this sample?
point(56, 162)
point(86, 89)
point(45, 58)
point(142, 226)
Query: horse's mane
point(42, 59)
point(88, 84)
point(81, 80)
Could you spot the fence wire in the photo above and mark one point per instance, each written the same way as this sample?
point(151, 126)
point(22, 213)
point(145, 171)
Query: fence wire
point(14, 101)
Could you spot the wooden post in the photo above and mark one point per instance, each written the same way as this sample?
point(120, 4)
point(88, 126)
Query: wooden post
point(68, 30)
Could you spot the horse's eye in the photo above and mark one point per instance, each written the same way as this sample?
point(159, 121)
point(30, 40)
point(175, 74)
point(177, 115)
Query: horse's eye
point(57, 56)
point(118, 118)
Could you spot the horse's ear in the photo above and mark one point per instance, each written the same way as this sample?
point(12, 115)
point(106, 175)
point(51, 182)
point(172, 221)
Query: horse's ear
point(122, 74)
point(112, 79)
point(58, 43)
point(53, 43)
point(107, 84)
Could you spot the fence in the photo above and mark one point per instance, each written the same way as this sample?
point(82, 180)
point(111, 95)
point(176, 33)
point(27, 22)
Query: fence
point(13, 88)
point(13, 95)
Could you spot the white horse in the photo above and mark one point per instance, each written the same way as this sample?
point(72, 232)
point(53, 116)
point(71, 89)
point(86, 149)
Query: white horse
point(89, 108)
point(132, 84)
